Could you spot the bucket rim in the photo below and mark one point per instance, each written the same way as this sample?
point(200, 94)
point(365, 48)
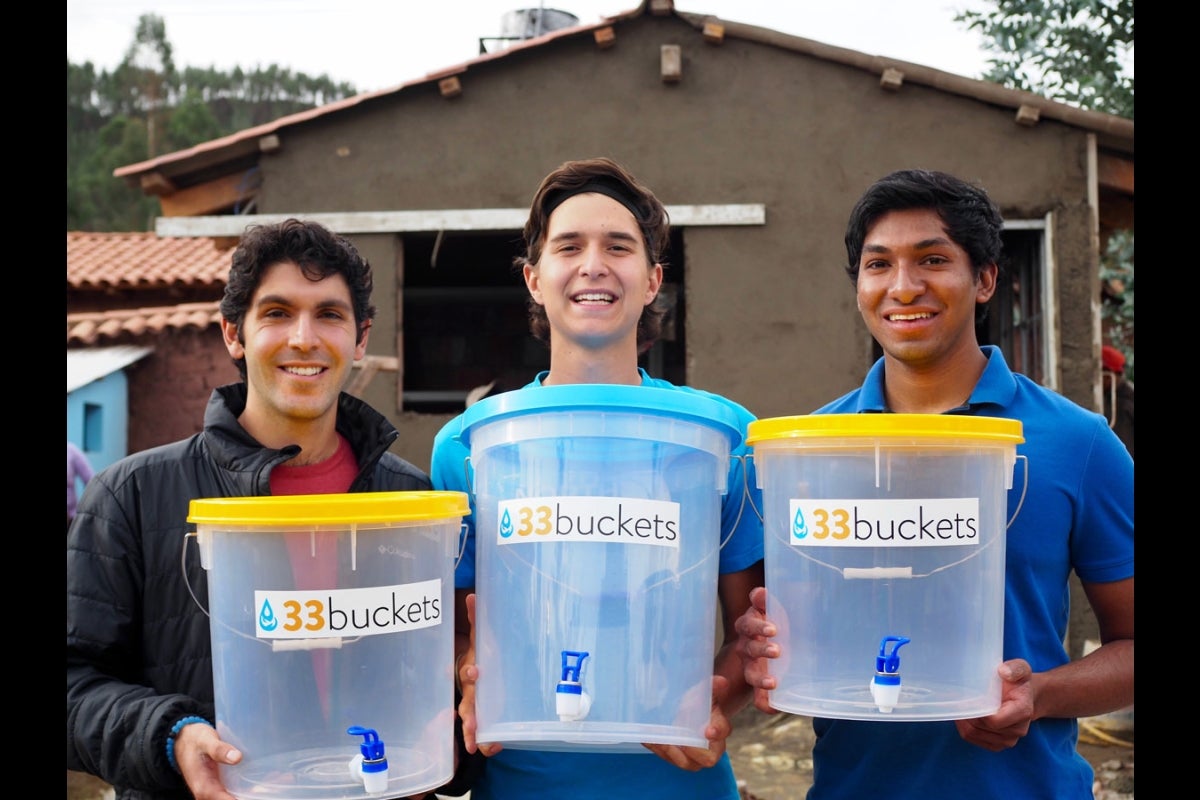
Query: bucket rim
point(329, 509)
point(603, 397)
point(874, 426)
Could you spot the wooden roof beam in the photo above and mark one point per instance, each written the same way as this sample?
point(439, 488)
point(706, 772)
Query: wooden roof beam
point(211, 197)
point(1115, 173)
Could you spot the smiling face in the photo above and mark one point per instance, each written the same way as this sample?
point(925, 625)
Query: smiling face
point(917, 291)
point(594, 277)
point(298, 339)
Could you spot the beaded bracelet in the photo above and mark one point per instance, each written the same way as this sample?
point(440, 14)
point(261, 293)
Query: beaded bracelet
point(175, 729)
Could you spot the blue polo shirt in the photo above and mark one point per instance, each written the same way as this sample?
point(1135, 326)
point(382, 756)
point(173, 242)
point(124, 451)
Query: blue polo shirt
point(1077, 514)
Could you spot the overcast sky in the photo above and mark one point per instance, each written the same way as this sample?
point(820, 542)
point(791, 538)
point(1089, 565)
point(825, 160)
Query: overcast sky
point(376, 44)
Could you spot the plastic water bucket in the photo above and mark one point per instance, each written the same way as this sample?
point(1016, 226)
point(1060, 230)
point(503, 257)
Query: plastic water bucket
point(598, 533)
point(884, 554)
point(333, 640)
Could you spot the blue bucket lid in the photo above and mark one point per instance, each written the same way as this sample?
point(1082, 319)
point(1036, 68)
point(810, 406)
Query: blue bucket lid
point(604, 397)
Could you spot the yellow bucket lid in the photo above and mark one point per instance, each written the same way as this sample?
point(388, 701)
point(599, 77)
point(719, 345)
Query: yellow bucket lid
point(329, 509)
point(936, 426)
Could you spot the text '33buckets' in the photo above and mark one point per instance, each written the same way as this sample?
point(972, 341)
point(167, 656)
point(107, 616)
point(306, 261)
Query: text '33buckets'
point(598, 533)
point(884, 555)
point(332, 630)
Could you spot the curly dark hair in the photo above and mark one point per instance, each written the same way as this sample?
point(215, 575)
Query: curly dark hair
point(316, 250)
point(970, 217)
point(614, 180)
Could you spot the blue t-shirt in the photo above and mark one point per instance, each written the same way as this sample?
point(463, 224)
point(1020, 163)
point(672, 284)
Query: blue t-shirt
point(1077, 514)
point(595, 776)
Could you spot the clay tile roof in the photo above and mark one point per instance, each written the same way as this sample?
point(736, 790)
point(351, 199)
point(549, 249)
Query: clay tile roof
point(100, 327)
point(101, 261)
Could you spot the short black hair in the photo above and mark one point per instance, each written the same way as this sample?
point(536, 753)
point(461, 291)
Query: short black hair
point(316, 250)
point(970, 217)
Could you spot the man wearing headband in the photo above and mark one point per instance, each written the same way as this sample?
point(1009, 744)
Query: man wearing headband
point(595, 244)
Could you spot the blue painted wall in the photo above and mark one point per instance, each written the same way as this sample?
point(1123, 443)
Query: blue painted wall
point(98, 419)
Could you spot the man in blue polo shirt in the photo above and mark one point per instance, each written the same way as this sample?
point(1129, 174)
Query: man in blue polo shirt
point(923, 249)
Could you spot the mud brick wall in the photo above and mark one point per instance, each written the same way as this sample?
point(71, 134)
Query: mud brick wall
point(169, 389)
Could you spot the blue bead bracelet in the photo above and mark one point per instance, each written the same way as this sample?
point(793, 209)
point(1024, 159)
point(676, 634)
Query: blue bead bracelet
point(175, 729)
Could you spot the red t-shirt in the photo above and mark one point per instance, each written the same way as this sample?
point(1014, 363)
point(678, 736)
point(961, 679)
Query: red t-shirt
point(315, 559)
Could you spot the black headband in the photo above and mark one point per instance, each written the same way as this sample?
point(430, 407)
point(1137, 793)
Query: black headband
point(607, 187)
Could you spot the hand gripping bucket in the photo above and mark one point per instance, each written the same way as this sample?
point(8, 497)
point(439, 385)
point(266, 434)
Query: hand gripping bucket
point(884, 553)
point(332, 631)
point(598, 532)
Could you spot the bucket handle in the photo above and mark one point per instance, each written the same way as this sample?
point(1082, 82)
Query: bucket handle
point(1024, 489)
point(880, 573)
point(748, 498)
point(462, 543)
point(470, 487)
point(906, 572)
point(277, 645)
point(725, 539)
point(183, 569)
point(467, 476)
point(674, 576)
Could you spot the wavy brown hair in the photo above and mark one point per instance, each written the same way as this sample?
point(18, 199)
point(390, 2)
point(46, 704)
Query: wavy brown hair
point(651, 217)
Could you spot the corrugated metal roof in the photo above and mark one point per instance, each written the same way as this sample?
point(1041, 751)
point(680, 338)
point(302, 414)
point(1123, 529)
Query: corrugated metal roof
point(92, 364)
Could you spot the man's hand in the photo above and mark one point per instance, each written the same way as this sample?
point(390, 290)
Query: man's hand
point(468, 676)
point(198, 752)
point(1005, 728)
point(754, 647)
point(718, 730)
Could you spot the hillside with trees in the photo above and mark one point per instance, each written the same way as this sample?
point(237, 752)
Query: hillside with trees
point(146, 106)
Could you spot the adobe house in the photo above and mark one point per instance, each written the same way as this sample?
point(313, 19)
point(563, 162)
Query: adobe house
point(758, 142)
point(143, 346)
point(144, 349)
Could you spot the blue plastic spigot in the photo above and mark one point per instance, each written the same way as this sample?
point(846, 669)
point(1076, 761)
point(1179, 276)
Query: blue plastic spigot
point(371, 765)
point(885, 686)
point(570, 701)
point(571, 671)
point(890, 664)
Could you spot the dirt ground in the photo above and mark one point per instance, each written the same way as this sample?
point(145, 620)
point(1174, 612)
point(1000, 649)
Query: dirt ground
point(772, 756)
point(772, 759)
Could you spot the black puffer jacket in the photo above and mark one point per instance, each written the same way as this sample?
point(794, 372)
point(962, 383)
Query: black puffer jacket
point(138, 647)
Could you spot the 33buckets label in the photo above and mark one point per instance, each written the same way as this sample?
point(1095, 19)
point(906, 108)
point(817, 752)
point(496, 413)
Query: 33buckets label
point(625, 520)
point(935, 522)
point(329, 613)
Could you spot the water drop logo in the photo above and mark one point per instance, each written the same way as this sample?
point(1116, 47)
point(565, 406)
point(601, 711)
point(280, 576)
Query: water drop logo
point(266, 617)
point(799, 526)
point(506, 525)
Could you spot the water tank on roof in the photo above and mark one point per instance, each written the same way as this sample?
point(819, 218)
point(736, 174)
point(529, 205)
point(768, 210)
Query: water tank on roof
point(526, 23)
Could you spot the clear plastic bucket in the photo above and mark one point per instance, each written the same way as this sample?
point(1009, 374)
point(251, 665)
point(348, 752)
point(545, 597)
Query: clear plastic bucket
point(331, 613)
point(598, 531)
point(884, 555)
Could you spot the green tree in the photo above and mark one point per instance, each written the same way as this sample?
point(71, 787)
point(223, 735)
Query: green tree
point(149, 71)
point(192, 122)
point(1076, 51)
point(1116, 271)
